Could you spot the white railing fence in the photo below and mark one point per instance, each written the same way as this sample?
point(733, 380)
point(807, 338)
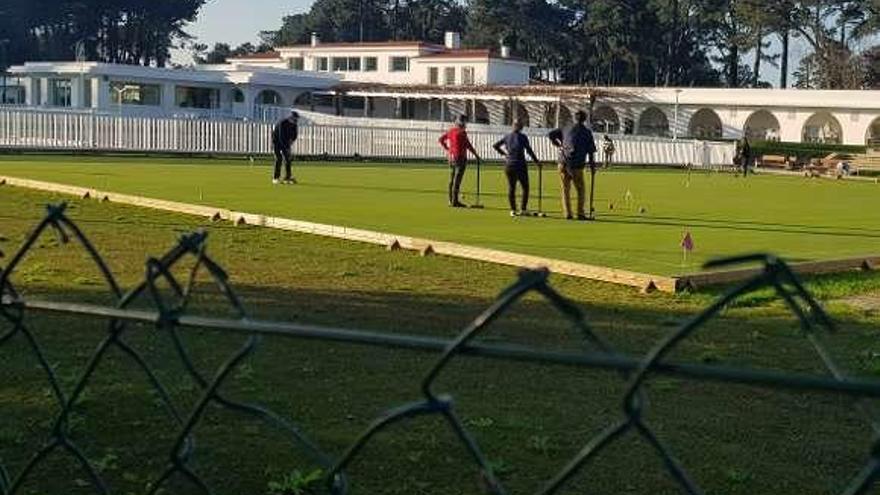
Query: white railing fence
point(30, 130)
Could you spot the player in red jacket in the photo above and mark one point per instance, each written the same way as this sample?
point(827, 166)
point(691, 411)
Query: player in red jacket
point(457, 145)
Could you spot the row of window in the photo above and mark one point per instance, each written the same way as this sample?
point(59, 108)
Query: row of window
point(467, 76)
point(126, 93)
point(351, 64)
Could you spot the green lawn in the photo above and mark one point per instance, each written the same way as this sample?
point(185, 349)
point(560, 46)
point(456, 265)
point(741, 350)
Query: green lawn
point(529, 419)
point(797, 218)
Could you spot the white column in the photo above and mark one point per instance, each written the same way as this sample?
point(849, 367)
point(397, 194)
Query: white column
point(43, 85)
point(168, 97)
point(29, 93)
point(101, 94)
point(76, 92)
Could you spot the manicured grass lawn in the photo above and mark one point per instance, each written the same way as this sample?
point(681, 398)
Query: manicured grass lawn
point(529, 419)
point(796, 218)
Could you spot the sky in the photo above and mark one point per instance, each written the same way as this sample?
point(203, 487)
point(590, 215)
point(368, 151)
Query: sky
point(238, 21)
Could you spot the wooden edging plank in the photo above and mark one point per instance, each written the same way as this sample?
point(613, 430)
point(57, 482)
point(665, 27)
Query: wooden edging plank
point(646, 282)
point(870, 262)
point(424, 246)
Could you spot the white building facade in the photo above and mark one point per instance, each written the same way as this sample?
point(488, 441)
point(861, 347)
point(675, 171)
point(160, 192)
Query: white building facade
point(399, 63)
point(431, 82)
point(215, 91)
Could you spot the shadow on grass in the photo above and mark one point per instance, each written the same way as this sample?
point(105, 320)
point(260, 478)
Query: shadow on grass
point(531, 418)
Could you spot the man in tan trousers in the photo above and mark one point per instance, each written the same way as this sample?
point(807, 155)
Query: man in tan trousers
point(575, 145)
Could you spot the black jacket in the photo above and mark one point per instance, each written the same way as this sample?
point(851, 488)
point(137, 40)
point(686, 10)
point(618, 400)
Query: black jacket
point(284, 133)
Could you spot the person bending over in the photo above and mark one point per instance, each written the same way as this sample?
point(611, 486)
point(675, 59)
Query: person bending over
point(456, 143)
point(514, 147)
point(284, 134)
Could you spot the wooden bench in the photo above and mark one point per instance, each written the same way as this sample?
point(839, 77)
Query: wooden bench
point(777, 161)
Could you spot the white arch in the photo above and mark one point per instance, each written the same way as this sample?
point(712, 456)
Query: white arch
point(706, 124)
point(522, 113)
point(605, 120)
point(564, 115)
point(822, 127)
point(653, 122)
point(872, 137)
point(762, 126)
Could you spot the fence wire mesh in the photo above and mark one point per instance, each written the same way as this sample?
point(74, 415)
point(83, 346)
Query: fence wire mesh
point(170, 314)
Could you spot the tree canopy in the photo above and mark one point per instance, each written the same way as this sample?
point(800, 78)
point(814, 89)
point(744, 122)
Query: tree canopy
point(120, 31)
point(603, 42)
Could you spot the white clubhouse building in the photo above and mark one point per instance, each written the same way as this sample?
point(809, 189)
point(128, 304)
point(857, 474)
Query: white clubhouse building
point(430, 82)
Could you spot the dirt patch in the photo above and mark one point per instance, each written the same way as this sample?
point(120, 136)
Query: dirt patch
point(867, 302)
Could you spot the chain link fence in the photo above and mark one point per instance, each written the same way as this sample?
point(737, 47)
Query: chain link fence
point(170, 314)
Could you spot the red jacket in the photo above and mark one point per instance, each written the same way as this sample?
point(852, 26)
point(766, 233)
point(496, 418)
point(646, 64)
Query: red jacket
point(456, 143)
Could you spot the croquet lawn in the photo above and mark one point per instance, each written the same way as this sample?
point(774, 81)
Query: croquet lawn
point(642, 214)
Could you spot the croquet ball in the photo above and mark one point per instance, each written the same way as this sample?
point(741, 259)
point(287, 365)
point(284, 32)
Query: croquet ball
point(642, 210)
point(610, 206)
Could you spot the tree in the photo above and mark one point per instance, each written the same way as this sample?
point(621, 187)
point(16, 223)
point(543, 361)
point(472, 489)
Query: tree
point(871, 66)
point(295, 29)
point(426, 20)
point(831, 27)
point(123, 31)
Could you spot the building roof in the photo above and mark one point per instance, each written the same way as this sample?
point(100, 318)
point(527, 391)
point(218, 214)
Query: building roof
point(208, 74)
point(366, 44)
point(536, 92)
point(271, 55)
point(469, 53)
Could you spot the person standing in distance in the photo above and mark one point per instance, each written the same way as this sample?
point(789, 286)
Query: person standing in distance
point(608, 150)
point(745, 156)
point(457, 144)
point(284, 134)
point(516, 145)
point(575, 145)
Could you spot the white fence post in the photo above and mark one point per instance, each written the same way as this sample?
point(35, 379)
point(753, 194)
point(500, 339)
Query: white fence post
point(40, 129)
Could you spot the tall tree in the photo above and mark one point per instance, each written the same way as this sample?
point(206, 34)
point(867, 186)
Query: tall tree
point(523, 25)
point(124, 31)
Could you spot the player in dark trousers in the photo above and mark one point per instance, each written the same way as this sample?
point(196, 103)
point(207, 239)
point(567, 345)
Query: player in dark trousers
point(284, 134)
point(514, 147)
point(457, 144)
point(745, 156)
point(575, 145)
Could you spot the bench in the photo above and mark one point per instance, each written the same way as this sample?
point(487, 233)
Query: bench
point(777, 161)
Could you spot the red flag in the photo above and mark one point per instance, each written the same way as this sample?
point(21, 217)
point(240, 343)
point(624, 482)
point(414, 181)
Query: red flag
point(688, 242)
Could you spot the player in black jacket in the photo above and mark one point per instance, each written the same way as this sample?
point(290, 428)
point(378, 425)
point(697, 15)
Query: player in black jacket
point(283, 136)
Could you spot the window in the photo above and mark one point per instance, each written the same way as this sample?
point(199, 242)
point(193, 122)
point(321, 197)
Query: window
point(129, 93)
point(371, 64)
point(12, 95)
point(433, 76)
point(321, 64)
point(237, 96)
point(467, 76)
point(269, 97)
point(193, 97)
point(449, 76)
point(59, 92)
point(353, 102)
point(346, 64)
point(399, 64)
point(340, 64)
point(296, 63)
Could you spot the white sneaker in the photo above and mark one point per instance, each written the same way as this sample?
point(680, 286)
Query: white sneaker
point(513, 213)
point(276, 181)
point(290, 181)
